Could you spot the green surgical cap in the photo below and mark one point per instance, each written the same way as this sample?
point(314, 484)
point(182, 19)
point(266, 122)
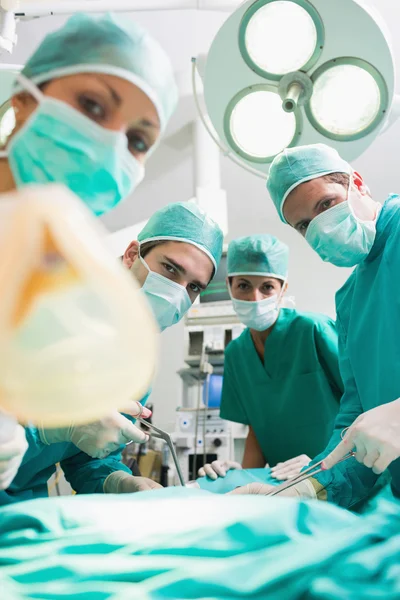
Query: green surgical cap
point(108, 44)
point(258, 255)
point(298, 165)
point(185, 222)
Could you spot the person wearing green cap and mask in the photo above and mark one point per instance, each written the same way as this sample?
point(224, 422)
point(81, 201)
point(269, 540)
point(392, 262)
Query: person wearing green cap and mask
point(281, 376)
point(319, 194)
point(174, 259)
point(90, 105)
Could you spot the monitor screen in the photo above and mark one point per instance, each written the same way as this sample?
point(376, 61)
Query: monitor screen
point(217, 291)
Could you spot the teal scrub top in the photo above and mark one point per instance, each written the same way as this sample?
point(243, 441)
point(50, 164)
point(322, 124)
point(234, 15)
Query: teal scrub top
point(368, 318)
point(292, 399)
point(85, 474)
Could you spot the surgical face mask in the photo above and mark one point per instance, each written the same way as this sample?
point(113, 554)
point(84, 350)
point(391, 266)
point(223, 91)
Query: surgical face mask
point(168, 300)
point(59, 144)
point(339, 237)
point(259, 315)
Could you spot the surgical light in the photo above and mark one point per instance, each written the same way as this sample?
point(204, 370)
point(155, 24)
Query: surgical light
point(282, 73)
point(348, 99)
point(280, 37)
point(257, 125)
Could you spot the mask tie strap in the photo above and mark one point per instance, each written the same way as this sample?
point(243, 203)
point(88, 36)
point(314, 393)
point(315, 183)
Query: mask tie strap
point(30, 87)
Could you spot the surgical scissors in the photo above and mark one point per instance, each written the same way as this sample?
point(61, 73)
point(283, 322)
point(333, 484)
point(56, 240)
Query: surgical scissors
point(155, 432)
point(309, 472)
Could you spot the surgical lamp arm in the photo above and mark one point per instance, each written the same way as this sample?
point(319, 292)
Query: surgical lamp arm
point(8, 24)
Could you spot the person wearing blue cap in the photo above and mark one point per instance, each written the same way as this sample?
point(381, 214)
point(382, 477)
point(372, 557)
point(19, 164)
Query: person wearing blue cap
point(174, 259)
point(319, 194)
point(90, 105)
point(281, 376)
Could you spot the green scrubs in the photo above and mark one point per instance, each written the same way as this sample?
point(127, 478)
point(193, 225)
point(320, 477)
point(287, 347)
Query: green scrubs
point(368, 309)
point(292, 399)
point(86, 475)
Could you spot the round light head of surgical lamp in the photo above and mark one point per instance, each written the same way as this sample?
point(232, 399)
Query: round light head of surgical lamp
point(257, 126)
point(350, 98)
point(277, 37)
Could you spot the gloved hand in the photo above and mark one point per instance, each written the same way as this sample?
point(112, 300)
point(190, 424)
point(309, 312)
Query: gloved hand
point(101, 438)
point(121, 482)
point(218, 468)
point(375, 435)
point(290, 468)
point(304, 489)
point(13, 446)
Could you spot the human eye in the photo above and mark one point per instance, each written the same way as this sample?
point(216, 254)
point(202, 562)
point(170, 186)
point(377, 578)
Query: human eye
point(169, 268)
point(325, 205)
point(302, 227)
point(137, 143)
point(92, 108)
point(195, 288)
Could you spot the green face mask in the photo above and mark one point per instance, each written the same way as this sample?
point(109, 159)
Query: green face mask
point(169, 301)
point(58, 144)
point(339, 237)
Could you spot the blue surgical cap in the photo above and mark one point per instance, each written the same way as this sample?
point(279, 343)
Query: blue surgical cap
point(298, 165)
point(108, 44)
point(185, 222)
point(258, 255)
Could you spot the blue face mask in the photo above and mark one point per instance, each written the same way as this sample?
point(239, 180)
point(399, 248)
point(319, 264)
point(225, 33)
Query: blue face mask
point(339, 237)
point(59, 144)
point(169, 301)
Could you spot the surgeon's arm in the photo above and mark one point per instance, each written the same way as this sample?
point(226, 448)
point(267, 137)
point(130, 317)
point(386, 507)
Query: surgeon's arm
point(253, 457)
point(35, 444)
point(349, 482)
point(326, 341)
point(87, 475)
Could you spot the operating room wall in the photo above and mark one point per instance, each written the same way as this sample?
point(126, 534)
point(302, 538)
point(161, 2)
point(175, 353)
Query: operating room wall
point(170, 178)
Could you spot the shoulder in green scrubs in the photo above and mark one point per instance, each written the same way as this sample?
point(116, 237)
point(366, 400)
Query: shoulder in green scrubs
point(292, 399)
point(368, 308)
point(86, 475)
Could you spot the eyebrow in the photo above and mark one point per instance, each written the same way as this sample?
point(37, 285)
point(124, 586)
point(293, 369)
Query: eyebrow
point(266, 280)
point(116, 97)
point(149, 124)
point(183, 271)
